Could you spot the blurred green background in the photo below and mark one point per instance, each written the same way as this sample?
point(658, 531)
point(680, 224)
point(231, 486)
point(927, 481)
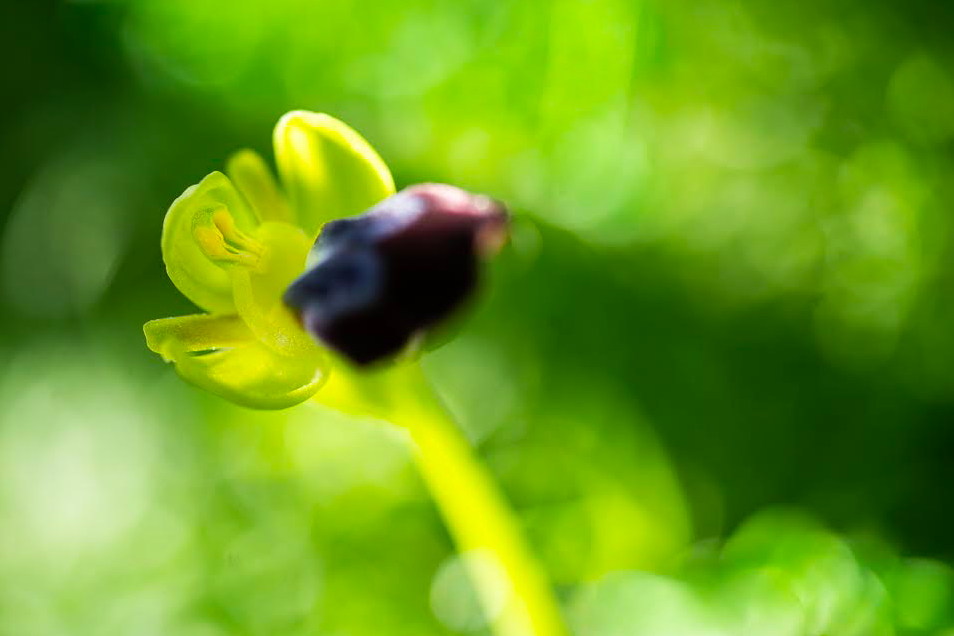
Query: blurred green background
point(714, 372)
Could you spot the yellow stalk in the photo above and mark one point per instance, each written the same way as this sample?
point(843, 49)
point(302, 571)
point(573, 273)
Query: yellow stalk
point(479, 519)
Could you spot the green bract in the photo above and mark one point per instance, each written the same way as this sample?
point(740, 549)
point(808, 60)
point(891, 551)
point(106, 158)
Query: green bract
point(232, 245)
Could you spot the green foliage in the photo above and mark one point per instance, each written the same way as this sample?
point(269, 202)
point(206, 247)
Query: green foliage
point(729, 288)
point(779, 574)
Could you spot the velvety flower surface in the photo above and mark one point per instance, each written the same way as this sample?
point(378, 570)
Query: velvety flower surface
point(239, 246)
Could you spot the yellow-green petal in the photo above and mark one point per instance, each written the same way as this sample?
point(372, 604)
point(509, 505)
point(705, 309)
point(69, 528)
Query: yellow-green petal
point(203, 281)
point(170, 337)
point(221, 355)
point(253, 178)
point(380, 392)
point(328, 169)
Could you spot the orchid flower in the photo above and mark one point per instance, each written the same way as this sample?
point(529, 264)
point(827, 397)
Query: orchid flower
point(235, 242)
point(317, 288)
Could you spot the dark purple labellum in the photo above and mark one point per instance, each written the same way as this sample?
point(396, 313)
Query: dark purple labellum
point(401, 267)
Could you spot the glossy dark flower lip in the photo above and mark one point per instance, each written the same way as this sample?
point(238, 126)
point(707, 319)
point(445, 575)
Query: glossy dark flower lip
point(383, 277)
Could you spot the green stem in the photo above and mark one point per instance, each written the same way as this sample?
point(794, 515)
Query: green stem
point(479, 519)
point(475, 512)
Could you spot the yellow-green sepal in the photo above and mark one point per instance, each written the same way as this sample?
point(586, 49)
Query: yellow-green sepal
point(328, 170)
point(170, 337)
point(253, 178)
point(221, 355)
point(201, 280)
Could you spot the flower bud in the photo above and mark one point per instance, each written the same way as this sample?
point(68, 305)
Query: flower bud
point(384, 276)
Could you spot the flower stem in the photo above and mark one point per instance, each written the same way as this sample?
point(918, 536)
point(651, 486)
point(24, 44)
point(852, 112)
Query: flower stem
point(476, 514)
point(479, 519)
